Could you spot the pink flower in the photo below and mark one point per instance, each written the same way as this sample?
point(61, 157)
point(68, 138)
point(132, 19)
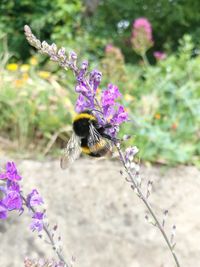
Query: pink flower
point(108, 48)
point(143, 23)
point(159, 55)
point(141, 38)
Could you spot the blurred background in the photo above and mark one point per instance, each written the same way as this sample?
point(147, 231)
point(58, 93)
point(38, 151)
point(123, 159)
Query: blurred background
point(150, 49)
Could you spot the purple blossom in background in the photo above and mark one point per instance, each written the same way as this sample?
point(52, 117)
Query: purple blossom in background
point(11, 172)
point(37, 223)
point(159, 55)
point(34, 199)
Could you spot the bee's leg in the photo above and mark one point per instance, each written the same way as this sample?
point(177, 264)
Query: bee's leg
point(113, 139)
point(106, 126)
point(107, 136)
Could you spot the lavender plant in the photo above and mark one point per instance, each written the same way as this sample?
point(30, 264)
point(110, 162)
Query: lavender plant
point(107, 109)
point(13, 199)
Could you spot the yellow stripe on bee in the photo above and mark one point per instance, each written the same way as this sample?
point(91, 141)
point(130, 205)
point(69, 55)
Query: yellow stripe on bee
point(85, 150)
point(99, 145)
point(84, 116)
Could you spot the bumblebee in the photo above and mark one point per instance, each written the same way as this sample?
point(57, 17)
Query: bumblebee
point(88, 137)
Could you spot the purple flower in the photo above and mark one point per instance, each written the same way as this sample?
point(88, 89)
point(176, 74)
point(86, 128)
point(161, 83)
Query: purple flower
point(113, 131)
point(120, 116)
point(82, 72)
point(81, 88)
point(113, 113)
point(83, 103)
point(84, 65)
point(110, 95)
point(34, 199)
point(12, 200)
point(159, 55)
point(72, 56)
point(3, 211)
point(11, 172)
point(37, 223)
point(14, 186)
point(95, 79)
point(130, 153)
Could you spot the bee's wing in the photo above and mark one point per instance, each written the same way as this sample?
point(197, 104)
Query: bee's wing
point(96, 141)
point(94, 136)
point(71, 152)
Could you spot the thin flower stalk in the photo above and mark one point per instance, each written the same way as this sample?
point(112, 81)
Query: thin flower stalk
point(136, 188)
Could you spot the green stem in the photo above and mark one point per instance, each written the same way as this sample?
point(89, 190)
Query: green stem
point(145, 59)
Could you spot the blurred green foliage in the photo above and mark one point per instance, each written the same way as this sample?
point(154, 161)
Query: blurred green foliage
point(166, 108)
point(73, 24)
point(163, 99)
point(56, 19)
point(33, 105)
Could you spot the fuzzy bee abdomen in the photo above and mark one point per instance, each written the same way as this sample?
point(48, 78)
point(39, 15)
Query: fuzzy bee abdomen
point(99, 149)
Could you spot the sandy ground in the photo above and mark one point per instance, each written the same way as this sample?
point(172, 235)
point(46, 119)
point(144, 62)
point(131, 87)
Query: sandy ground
point(101, 220)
